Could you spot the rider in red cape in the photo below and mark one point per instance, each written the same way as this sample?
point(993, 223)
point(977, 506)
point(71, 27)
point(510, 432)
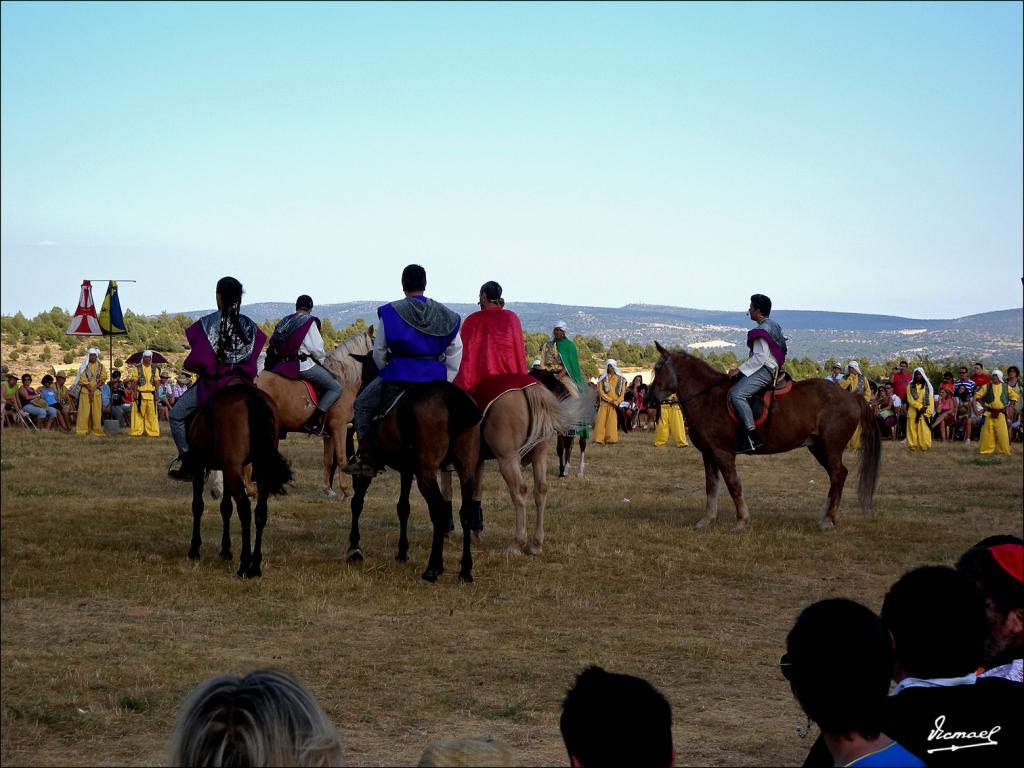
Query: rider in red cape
point(225, 347)
point(767, 348)
point(492, 340)
point(296, 351)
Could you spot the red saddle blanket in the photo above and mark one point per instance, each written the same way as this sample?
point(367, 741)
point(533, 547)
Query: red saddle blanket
point(759, 406)
point(490, 389)
point(312, 392)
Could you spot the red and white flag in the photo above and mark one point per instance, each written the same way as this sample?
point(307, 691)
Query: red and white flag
point(85, 322)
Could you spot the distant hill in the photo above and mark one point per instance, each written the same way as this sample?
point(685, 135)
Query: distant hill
point(991, 336)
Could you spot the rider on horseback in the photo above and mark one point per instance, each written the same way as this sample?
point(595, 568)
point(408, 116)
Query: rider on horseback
point(225, 348)
point(415, 340)
point(492, 340)
point(767, 354)
point(296, 351)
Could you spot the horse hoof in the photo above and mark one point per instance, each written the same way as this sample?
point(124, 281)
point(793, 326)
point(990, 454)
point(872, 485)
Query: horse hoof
point(826, 525)
point(354, 555)
point(193, 554)
point(330, 493)
point(740, 526)
point(226, 555)
point(400, 558)
point(534, 549)
point(514, 549)
point(703, 523)
point(255, 572)
point(429, 577)
point(466, 577)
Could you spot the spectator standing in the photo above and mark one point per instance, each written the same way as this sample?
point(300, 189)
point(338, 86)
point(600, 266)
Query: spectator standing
point(856, 383)
point(920, 407)
point(611, 389)
point(1013, 411)
point(901, 379)
point(979, 378)
point(90, 377)
point(995, 397)
point(670, 422)
point(610, 719)
point(838, 662)
point(144, 379)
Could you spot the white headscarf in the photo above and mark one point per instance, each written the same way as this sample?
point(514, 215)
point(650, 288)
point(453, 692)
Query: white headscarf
point(147, 353)
point(855, 365)
point(997, 372)
point(563, 325)
point(931, 392)
point(604, 371)
point(81, 368)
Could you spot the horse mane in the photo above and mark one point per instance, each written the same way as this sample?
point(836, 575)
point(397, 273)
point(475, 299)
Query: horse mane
point(703, 368)
point(340, 363)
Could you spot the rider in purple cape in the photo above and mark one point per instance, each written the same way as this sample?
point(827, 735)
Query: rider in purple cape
point(225, 347)
point(767, 347)
point(296, 351)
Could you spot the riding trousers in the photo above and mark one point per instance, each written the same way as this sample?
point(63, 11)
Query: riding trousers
point(330, 387)
point(180, 411)
point(746, 388)
point(371, 399)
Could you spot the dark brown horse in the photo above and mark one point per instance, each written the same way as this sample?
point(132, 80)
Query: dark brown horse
point(433, 424)
point(237, 426)
point(816, 414)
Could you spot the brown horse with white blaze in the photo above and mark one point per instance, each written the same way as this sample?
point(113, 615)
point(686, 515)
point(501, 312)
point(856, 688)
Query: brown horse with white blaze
point(816, 414)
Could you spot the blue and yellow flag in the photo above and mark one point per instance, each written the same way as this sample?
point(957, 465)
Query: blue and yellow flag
point(111, 319)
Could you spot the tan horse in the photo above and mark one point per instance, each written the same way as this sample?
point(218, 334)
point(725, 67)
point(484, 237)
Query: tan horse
point(516, 431)
point(294, 406)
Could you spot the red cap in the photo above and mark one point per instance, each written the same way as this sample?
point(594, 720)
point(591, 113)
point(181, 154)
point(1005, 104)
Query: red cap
point(1010, 558)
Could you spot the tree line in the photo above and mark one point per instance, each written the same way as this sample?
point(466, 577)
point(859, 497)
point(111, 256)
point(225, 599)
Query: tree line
point(165, 333)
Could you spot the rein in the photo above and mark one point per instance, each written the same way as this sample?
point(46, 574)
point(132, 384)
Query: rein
point(705, 390)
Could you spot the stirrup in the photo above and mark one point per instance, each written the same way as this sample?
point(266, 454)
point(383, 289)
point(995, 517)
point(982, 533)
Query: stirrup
point(748, 443)
point(356, 466)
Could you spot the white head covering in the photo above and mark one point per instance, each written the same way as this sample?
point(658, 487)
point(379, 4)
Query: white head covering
point(563, 325)
point(931, 392)
point(997, 372)
point(147, 353)
point(855, 365)
point(604, 371)
point(81, 368)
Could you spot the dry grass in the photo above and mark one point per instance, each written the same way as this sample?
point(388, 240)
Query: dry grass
point(106, 624)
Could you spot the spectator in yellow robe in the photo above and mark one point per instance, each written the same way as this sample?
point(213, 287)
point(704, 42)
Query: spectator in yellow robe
point(856, 383)
point(611, 388)
point(670, 422)
point(144, 416)
point(90, 377)
point(994, 397)
point(920, 407)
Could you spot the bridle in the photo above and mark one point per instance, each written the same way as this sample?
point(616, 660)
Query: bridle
point(694, 396)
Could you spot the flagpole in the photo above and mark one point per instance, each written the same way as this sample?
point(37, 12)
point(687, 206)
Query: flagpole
point(110, 335)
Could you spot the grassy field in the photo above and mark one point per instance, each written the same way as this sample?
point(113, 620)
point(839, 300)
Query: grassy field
point(106, 625)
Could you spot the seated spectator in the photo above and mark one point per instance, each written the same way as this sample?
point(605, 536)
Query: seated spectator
point(127, 403)
point(944, 421)
point(34, 405)
point(965, 381)
point(967, 412)
point(50, 396)
point(65, 401)
point(10, 396)
point(468, 752)
point(940, 710)
point(610, 719)
point(838, 662)
point(837, 374)
point(642, 410)
point(885, 407)
point(996, 565)
point(266, 718)
point(112, 406)
point(164, 396)
point(947, 382)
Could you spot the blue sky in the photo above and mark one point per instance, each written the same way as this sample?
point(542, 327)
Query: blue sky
point(853, 157)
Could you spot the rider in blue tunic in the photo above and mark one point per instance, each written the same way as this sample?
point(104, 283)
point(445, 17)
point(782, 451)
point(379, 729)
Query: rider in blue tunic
point(415, 340)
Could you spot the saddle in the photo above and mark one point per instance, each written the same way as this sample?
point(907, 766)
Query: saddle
point(489, 389)
point(761, 401)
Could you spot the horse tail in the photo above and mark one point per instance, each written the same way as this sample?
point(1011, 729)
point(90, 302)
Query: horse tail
point(870, 456)
point(548, 416)
point(268, 464)
point(463, 412)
